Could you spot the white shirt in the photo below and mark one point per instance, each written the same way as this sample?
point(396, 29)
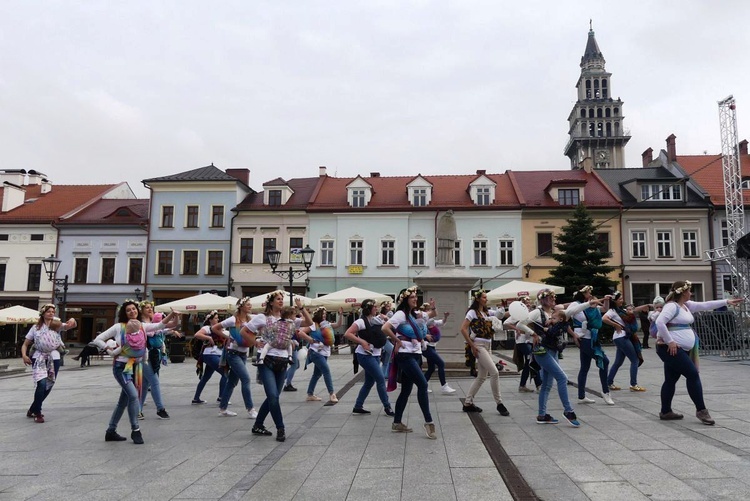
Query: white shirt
point(471, 315)
point(230, 322)
point(257, 325)
point(671, 313)
point(615, 317)
point(360, 327)
point(408, 345)
point(209, 349)
point(576, 312)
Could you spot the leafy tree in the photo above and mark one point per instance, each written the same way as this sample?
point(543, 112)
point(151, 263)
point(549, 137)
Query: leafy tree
point(582, 260)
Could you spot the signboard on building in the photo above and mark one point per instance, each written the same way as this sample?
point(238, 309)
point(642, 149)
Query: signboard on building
point(356, 269)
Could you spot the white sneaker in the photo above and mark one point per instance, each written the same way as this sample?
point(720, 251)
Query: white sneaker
point(227, 413)
point(429, 390)
point(252, 413)
point(447, 390)
point(586, 400)
point(608, 399)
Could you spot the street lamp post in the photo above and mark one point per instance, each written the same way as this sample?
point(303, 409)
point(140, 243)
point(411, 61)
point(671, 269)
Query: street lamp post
point(50, 267)
point(307, 258)
point(138, 294)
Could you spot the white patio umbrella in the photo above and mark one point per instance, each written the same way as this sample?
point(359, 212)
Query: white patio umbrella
point(518, 288)
point(259, 302)
point(199, 304)
point(18, 315)
point(349, 299)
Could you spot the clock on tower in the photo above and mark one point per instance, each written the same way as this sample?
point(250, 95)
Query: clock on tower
point(601, 157)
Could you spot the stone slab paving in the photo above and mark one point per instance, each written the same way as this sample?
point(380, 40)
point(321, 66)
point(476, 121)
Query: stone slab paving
point(620, 452)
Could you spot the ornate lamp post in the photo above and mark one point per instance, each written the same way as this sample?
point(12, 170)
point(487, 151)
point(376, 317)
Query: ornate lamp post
point(50, 267)
point(307, 258)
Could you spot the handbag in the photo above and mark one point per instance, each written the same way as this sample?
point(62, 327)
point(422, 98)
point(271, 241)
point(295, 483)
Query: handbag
point(276, 364)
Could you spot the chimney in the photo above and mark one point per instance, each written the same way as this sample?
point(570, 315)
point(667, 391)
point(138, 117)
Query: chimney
point(672, 148)
point(242, 175)
point(35, 178)
point(481, 172)
point(743, 147)
point(13, 176)
point(46, 186)
point(374, 174)
point(322, 170)
point(647, 157)
point(13, 196)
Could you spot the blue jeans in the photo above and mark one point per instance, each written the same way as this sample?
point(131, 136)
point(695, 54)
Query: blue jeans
point(273, 384)
point(292, 368)
point(625, 348)
point(41, 391)
point(236, 363)
point(587, 355)
point(411, 374)
point(211, 365)
point(321, 369)
point(373, 376)
point(551, 370)
point(128, 399)
point(386, 356)
point(151, 380)
point(674, 367)
point(434, 360)
point(525, 350)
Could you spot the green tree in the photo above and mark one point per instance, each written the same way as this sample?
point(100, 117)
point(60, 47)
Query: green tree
point(582, 261)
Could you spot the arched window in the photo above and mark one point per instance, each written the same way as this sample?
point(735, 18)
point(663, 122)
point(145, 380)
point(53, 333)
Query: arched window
point(597, 94)
point(609, 129)
point(605, 89)
point(599, 113)
point(591, 113)
point(583, 128)
point(607, 112)
point(617, 129)
point(616, 111)
point(583, 113)
point(588, 89)
point(591, 129)
point(599, 130)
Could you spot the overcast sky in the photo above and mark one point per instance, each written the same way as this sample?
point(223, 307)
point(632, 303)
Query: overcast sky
point(103, 92)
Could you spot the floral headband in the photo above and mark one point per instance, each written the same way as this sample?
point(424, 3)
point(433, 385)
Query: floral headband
point(212, 314)
point(242, 302)
point(478, 294)
point(684, 288)
point(585, 289)
point(319, 309)
point(385, 303)
point(273, 295)
point(525, 300)
point(616, 295)
point(407, 292)
point(46, 307)
point(145, 303)
point(367, 304)
point(546, 293)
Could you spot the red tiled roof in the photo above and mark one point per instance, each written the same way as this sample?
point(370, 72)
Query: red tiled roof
point(123, 211)
point(303, 190)
point(707, 171)
point(60, 201)
point(390, 193)
point(533, 186)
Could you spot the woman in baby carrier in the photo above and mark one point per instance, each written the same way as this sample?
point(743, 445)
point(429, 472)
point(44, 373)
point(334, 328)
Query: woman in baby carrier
point(623, 320)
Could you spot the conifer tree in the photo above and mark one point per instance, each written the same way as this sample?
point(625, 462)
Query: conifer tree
point(581, 259)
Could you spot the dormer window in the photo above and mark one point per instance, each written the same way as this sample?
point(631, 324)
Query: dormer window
point(569, 196)
point(276, 193)
point(358, 198)
point(274, 197)
point(663, 192)
point(483, 195)
point(419, 197)
point(358, 192)
point(482, 189)
point(419, 191)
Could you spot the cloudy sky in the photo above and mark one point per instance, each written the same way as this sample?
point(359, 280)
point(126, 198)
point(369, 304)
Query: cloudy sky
point(101, 92)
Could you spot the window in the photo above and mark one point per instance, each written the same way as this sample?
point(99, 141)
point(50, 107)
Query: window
point(356, 248)
point(417, 252)
point(3, 237)
point(274, 197)
point(35, 277)
point(387, 252)
point(661, 192)
point(724, 233)
point(420, 197)
point(108, 270)
point(135, 270)
point(638, 244)
point(295, 245)
point(164, 262)
point(568, 197)
point(217, 216)
point(80, 270)
point(483, 195)
point(602, 240)
point(326, 253)
point(268, 245)
point(480, 252)
point(506, 252)
point(215, 262)
point(745, 185)
point(358, 198)
point(664, 244)
point(37, 237)
point(726, 281)
point(3, 266)
point(689, 244)
point(167, 216)
point(457, 253)
point(192, 216)
point(190, 262)
point(544, 244)
point(246, 250)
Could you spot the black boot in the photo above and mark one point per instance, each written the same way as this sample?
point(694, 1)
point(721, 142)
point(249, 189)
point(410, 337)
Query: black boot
point(113, 436)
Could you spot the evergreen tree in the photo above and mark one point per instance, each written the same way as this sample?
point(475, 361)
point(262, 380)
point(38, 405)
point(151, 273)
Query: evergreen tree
point(582, 260)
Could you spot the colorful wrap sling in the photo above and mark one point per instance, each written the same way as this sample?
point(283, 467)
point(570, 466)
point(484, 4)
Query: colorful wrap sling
point(324, 334)
point(411, 329)
point(594, 322)
point(133, 370)
point(46, 341)
point(279, 333)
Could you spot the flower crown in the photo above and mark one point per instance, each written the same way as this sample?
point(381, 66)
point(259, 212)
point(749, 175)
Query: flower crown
point(546, 293)
point(585, 289)
point(367, 304)
point(145, 302)
point(684, 288)
point(242, 302)
point(407, 292)
point(212, 314)
point(525, 299)
point(319, 309)
point(616, 295)
point(478, 293)
point(271, 296)
point(385, 303)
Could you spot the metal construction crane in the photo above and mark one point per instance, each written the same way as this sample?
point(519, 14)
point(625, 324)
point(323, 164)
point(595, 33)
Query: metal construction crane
point(734, 343)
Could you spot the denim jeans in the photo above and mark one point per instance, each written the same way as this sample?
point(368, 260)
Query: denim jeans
point(321, 369)
point(210, 365)
point(292, 368)
point(411, 374)
point(434, 360)
point(128, 399)
point(151, 380)
point(386, 357)
point(525, 349)
point(551, 370)
point(373, 376)
point(41, 392)
point(587, 355)
point(625, 348)
point(674, 367)
point(273, 384)
point(236, 363)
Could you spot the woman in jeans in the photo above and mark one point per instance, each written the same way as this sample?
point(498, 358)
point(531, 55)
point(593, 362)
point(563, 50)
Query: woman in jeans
point(320, 336)
point(386, 312)
point(127, 370)
point(236, 358)
point(477, 331)
point(524, 344)
point(272, 373)
point(407, 328)
point(674, 341)
point(212, 346)
point(622, 319)
point(434, 360)
point(152, 362)
point(369, 359)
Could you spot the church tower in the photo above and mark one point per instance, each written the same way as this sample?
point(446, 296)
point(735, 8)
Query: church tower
point(595, 123)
